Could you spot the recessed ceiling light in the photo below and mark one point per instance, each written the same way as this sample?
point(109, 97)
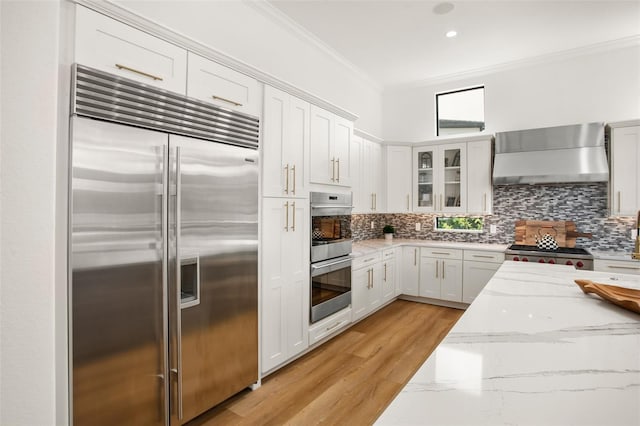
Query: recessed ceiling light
point(443, 8)
point(451, 34)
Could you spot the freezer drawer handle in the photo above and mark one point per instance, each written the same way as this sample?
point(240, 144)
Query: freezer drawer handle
point(229, 101)
point(178, 218)
point(124, 67)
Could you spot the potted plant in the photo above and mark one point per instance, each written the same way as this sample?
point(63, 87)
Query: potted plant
point(388, 231)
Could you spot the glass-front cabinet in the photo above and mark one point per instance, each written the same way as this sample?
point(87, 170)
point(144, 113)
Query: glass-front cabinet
point(440, 178)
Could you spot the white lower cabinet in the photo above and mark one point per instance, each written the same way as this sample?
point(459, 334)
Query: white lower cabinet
point(366, 285)
point(618, 266)
point(479, 267)
point(410, 271)
point(441, 274)
point(285, 280)
point(388, 275)
point(329, 325)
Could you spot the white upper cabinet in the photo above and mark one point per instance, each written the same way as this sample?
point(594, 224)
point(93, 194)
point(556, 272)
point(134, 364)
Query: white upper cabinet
point(357, 147)
point(211, 82)
point(372, 187)
point(109, 45)
point(398, 193)
point(330, 148)
point(479, 179)
point(440, 178)
point(625, 170)
point(285, 145)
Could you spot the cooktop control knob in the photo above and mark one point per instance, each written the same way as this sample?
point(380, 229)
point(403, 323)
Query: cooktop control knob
point(516, 258)
point(569, 263)
point(524, 259)
point(551, 261)
point(579, 264)
point(541, 261)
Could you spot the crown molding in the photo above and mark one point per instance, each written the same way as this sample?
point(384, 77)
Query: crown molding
point(129, 17)
point(549, 58)
point(368, 136)
point(284, 21)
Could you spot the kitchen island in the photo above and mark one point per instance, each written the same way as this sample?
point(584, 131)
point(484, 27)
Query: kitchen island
point(532, 349)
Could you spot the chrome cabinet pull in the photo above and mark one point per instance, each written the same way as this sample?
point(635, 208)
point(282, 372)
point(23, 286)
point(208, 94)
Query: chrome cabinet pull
point(338, 161)
point(436, 269)
point(441, 252)
point(293, 209)
point(375, 201)
point(443, 269)
point(619, 196)
point(623, 267)
point(293, 170)
point(407, 202)
point(229, 101)
point(385, 272)
point(485, 202)
point(286, 179)
point(482, 256)
point(145, 74)
point(333, 326)
point(286, 223)
point(415, 257)
point(333, 169)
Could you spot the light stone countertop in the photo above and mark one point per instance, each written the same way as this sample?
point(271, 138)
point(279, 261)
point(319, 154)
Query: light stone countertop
point(362, 248)
point(532, 349)
point(613, 255)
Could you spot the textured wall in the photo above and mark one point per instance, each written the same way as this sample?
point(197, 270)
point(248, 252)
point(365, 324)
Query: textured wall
point(585, 204)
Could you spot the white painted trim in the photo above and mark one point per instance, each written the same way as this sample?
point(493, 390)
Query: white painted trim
point(142, 23)
point(283, 20)
point(527, 62)
point(628, 123)
point(367, 136)
point(468, 137)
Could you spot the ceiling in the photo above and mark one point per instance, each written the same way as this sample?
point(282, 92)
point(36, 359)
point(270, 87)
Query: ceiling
point(396, 42)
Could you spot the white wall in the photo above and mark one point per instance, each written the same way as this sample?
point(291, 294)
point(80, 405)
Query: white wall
point(28, 134)
point(602, 86)
point(246, 33)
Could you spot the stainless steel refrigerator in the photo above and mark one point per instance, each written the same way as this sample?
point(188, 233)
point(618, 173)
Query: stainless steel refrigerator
point(163, 253)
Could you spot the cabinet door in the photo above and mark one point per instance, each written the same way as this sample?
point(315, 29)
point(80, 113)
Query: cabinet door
point(274, 280)
point(388, 279)
point(296, 149)
point(342, 151)
point(452, 178)
point(375, 291)
point(424, 179)
point(475, 276)
point(358, 182)
point(114, 47)
point(451, 280)
point(410, 268)
point(275, 134)
point(398, 190)
point(322, 163)
point(360, 284)
point(211, 82)
point(625, 174)
point(297, 284)
point(479, 185)
point(377, 171)
point(430, 276)
point(368, 176)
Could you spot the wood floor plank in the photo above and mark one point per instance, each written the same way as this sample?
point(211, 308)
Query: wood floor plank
point(351, 378)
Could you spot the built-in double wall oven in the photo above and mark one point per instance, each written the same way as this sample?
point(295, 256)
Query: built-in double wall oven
point(330, 253)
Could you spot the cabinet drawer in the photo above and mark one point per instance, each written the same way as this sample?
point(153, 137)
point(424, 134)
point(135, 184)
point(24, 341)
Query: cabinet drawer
point(328, 326)
point(366, 260)
point(484, 256)
point(619, 266)
point(117, 48)
point(388, 254)
point(441, 253)
point(211, 82)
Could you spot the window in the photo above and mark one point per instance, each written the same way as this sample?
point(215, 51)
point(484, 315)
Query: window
point(459, 224)
point(460, 111)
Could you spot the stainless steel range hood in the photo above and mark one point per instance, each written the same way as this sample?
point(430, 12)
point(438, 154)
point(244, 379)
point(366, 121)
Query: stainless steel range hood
point(561, 154)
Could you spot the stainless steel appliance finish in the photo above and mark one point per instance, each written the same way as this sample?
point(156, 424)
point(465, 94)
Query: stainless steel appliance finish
point(330, 287)
point(330, 253)
point(577, 257)
point(551, 155)
point(327, 208)
point(163, 274)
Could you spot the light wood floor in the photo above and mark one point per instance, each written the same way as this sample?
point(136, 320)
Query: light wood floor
point(350, 379)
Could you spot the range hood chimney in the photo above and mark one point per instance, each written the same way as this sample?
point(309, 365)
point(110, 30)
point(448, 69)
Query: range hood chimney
point(564, 154)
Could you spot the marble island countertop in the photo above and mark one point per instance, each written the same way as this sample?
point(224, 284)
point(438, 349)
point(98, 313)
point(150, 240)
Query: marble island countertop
point(362, 248)
point(532, 349)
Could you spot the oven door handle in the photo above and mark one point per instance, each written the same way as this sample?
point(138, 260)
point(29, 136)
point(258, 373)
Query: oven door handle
point(324, 268)
point(331, 206)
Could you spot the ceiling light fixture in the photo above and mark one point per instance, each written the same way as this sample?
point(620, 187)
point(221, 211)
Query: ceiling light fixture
point(451, 34)
point(443, 8)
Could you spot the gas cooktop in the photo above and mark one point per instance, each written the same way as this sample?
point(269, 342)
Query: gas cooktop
point(575, 251)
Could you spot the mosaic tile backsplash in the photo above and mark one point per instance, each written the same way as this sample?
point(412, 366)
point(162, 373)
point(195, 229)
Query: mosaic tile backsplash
point(585, 204)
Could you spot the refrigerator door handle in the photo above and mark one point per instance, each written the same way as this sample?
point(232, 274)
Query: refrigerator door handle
point(164, 227)
point(178, 296)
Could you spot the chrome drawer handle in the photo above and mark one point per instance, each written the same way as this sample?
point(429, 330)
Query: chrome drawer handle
point(124, 67)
